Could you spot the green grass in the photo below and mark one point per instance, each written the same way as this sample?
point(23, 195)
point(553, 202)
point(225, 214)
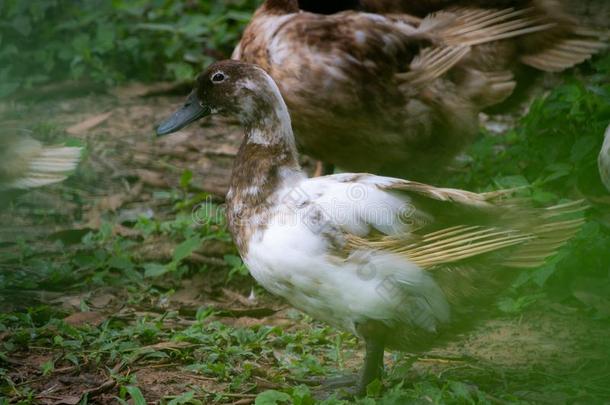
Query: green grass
point(45, 41)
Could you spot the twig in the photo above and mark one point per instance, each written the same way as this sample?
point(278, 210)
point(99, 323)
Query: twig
point(442, 361)
point(243, 401)
point(108, 384)
point(33, 380)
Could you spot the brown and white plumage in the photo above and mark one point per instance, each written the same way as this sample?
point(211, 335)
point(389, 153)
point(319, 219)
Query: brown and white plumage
point(26, 163)
point(564, 45)
point(394, 94)
point(399, 263)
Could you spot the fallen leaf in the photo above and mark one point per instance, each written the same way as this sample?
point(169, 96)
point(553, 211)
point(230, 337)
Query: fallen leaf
point(101, 300)
point(82, 318)
point(68, 400)
point(151, 178)
point(89, 123)
point(112, 202)
point(121, 230)
point(237, 297)
point(168, 345)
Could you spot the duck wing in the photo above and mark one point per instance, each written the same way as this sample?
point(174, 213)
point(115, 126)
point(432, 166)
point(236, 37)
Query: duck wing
point(25, 163)
point(433, 226)
point(454, 32)
point(567, 43)
point(466, 225)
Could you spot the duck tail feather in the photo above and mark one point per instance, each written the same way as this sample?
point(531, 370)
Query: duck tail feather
point(562, 53)
point(469, 27)
point(51, 165)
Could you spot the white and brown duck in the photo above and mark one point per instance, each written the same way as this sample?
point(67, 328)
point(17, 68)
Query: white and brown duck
point(398, 94)
point(398, 263)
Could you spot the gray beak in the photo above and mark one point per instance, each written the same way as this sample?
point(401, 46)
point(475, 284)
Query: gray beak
point(191, 111)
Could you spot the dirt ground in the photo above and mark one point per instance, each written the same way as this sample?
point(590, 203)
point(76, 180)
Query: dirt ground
point(540, 356)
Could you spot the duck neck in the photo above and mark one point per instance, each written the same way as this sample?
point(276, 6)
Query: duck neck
point(267, 160)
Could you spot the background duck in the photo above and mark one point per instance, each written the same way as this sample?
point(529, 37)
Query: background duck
point(26, 163)
point(400, 264)
point(603, 161)
point(397, 94)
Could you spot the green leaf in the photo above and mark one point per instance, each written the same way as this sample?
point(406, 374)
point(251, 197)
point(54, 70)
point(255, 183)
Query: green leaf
point(47, 367)
point(272, 397)
point(186, 398)
point(543, 197)
point(185, 179)
point(511, 305)
point(181, 70)
point(511, 181)
point(461, 391)
point(120, 263)
point(22, 25)
point(583, 147)
point(154, 269)
point(186, 248)
point(136, 395)
point(374, 388)
point(233, 261)
point(301, 395)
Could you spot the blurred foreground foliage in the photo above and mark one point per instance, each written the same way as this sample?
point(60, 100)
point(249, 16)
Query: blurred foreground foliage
point(111, 41)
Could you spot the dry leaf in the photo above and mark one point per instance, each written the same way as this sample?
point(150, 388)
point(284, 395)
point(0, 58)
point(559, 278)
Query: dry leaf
point(151, 178)
point(237, 297)
point(101, 300)
point(89, 123)
point(112, 202)
point(168, 345)
point(68, 400)
point(82, 318)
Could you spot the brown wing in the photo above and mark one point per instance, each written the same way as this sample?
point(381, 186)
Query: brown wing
point(455, 32)
point(567, 43)
point(470, 242)
point(468, 226)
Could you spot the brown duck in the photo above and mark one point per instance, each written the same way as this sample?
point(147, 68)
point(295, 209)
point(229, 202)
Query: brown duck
point(397, 94)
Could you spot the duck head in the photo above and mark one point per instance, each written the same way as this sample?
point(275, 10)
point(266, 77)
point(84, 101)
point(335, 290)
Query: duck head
point(248, 93)
point(231, 88)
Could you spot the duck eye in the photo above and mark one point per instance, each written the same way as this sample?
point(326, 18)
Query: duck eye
point(218, 77)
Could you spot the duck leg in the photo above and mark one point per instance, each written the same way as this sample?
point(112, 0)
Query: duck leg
point(328, 169)
point(372, 369)
point(373, 360)
point(323, 169)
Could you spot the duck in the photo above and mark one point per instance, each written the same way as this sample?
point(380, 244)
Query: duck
point(26, 163)
point(400, 264)
point(397, 94)
point(603, 160)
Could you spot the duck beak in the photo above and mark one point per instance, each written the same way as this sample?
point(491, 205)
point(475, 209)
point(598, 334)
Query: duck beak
point(191, 111)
